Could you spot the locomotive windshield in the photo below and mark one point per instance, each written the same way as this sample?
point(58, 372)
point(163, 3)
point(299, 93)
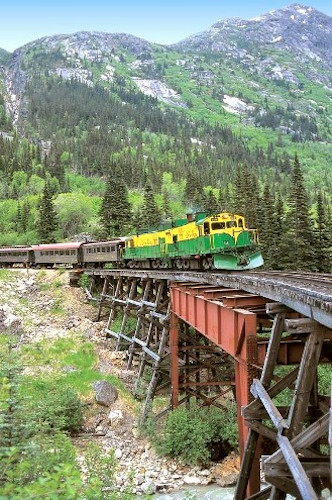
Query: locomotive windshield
point(218, 225)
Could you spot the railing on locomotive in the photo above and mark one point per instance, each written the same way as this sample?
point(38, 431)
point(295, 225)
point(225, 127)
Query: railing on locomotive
point(253, 234)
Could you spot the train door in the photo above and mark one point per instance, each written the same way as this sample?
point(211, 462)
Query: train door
point(162, 245)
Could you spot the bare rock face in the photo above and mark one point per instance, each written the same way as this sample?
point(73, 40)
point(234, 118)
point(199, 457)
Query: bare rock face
point(105, 393)
point(8, 320)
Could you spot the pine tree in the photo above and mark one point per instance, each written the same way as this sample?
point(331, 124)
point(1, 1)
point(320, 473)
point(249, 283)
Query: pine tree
point(47, 219)
point(115, 211)
point(15, 425)
point(194, 192)
point(297, 243)
point(267, 234)
point(167, 208)
point(151, 216)
point(323, 239)
point(278, 228)
point(25, 212)
point(211, 204)
point(252, 201)
point(18, 218)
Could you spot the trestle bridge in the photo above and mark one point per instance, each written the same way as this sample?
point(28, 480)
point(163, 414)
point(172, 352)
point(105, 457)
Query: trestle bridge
point(250, 336)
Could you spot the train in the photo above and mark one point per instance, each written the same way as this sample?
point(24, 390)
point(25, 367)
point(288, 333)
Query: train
point(202, 242)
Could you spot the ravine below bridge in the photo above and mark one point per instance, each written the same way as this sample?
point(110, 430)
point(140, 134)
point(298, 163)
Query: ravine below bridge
point(275, 327)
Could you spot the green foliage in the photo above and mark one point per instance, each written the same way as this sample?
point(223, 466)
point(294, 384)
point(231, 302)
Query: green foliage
point(178, 150)
point(150, 215)
point(46, 470)
point(59, 407)
point(325, 379)
point(6, 275)
point(33, 450)
point(84, 281)
point(100, 477)
point(47, 222)
point(115, 209)
point(190, 433)
point(323, 237)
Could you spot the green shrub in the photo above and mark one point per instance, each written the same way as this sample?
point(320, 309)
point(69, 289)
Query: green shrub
point(100, 476)
point(191, 433)
point(58, 407)
point(84, 281)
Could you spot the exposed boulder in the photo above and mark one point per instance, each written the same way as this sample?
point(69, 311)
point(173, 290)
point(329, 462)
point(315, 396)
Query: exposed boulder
point(105, 393)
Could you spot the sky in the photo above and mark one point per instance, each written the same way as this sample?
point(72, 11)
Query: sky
point(159, 21)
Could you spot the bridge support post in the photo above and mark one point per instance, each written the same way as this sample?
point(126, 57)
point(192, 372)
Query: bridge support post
point(174, 343)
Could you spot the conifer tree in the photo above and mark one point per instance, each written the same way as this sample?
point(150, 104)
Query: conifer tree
point(297, 249)
point(267, 234)
point(167, 209)
point(115, 211)
point(25, 212)
point(323, 239)
point(278, 228)
point(194, 192)
point(47, 219)
point(221, 201)
point(18, 218)
point(151, 216)
point(211, 204)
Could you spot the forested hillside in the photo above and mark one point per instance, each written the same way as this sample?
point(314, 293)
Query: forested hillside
point(235, 118)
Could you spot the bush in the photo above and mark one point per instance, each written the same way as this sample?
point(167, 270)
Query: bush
point(100, 477)
point(84, 281)
point(192, 434)
point(59, 407)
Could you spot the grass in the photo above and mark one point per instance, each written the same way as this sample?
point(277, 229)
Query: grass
point(57, 308)
point(7, 275)
point(62, 353)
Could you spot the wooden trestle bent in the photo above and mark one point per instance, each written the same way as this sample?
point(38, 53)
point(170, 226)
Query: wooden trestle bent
point(206, 340)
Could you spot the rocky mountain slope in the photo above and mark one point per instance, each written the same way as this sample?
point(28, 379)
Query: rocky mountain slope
point(269, 79)
point(290, 47)
point(302, 31)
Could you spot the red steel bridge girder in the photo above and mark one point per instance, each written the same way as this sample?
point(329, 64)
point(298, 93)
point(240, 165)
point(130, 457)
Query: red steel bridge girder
point(234, 331)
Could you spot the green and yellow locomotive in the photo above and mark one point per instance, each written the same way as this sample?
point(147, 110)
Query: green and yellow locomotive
point(221, 241)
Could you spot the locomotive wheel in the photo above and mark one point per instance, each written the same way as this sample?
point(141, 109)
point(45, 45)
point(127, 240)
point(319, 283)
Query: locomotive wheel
point(207, 263)
point(179, 264)
point(186, 264)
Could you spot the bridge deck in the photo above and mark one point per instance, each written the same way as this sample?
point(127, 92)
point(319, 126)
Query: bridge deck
point(308, 294)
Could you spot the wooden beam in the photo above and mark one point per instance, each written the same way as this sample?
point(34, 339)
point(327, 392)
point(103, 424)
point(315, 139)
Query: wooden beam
point(305, 438)
point(305, 380)
point(262, 430)
point(284, 485)
point(266, 377)
point(299, 476)
point(258, 391)
point(272, 392)
point(261, 495)
point(313, 469)
point(304, 325)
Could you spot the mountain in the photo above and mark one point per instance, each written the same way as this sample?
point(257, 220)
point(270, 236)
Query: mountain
point(245, 91)
point(303, 31)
